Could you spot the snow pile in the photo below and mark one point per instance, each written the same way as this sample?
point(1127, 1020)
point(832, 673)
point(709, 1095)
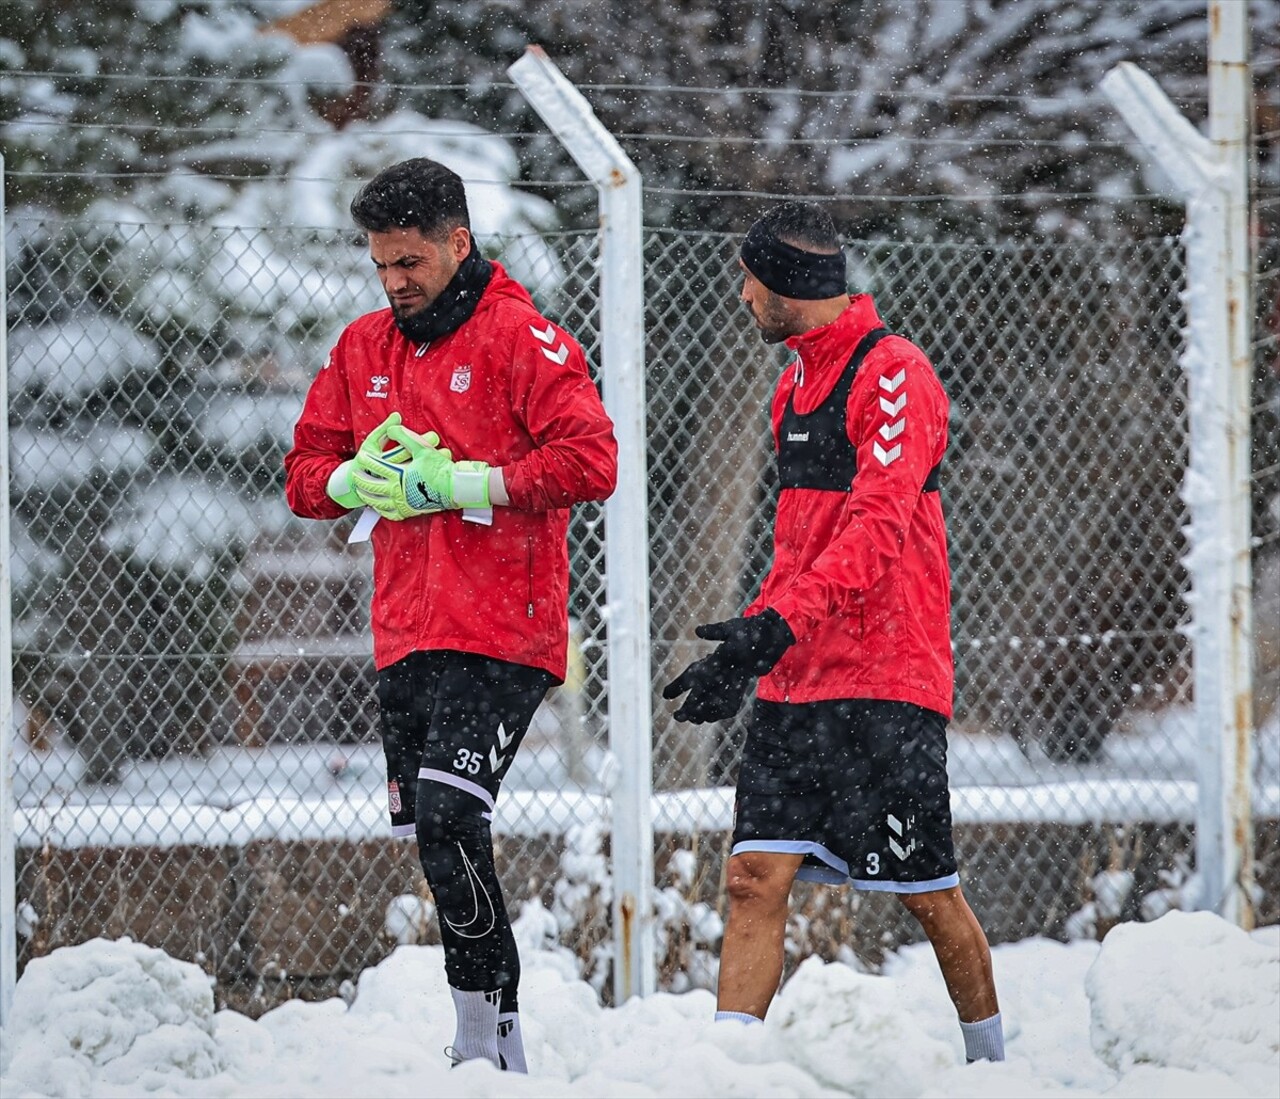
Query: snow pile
point(1189, 991)
point(408, 919)
point(669, 1045)
point(851, 1029)
point(110, 1012)
point(1182, 1007)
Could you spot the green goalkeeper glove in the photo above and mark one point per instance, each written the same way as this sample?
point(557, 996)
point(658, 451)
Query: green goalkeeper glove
point(386, 480)
point(341, 488)
point(433, 480)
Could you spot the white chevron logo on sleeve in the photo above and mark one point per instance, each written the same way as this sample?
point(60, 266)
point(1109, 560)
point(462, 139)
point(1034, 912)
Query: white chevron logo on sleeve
point(558, 355)
point(892, 408)
point(889, 456)
point(889, 432)
point(890, 384)
point(504, 742)
point(548, 335)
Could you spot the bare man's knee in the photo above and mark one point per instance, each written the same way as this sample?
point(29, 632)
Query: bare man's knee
point(753, 881)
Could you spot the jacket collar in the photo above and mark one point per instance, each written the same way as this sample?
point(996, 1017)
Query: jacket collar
point(828, 347)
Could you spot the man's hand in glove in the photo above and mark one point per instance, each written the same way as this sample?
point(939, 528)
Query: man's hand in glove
point(388, 480)
point(442, 482)
point(341, 487)
point(717, 683)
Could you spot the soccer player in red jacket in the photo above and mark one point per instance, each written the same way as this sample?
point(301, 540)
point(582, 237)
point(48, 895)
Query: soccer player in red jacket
point(468, 424)
point(843, 777)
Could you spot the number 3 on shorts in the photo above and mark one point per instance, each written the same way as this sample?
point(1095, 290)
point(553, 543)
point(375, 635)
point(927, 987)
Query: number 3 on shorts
point(467, 761)
point(873, 863)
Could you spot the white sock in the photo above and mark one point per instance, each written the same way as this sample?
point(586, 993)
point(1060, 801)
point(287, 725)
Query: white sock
point(511, 1042)
point(477, 1034)
point(983, 1040)
point(738, 1016)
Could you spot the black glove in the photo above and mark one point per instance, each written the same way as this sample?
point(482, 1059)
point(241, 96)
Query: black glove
point(718, 682)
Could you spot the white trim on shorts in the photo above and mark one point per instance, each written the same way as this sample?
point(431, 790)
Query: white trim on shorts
point(836, 871)
point(403, 831)
point(458, 783)
point(878, 886)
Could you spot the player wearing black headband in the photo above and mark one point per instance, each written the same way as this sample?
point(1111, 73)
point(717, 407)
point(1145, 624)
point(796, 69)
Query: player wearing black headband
point(843, 776)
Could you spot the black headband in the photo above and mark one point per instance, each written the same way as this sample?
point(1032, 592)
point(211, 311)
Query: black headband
point(790, 271)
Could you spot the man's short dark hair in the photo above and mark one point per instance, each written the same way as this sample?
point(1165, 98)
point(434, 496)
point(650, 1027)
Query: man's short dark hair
point(417, 194)
point(803, 224)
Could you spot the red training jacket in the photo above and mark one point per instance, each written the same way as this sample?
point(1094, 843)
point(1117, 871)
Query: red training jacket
point(862, 577)
point(508, 388)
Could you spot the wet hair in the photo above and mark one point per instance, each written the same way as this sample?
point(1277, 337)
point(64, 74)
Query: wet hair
point(803, 224)
point(417, 194)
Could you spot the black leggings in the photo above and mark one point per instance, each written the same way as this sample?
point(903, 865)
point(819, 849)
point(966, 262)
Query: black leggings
point(451, 725)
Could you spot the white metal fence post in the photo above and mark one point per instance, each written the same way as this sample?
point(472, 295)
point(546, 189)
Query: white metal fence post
point(1230, 98)
point(1212, 175)
point(569, 116)
point(8, 834)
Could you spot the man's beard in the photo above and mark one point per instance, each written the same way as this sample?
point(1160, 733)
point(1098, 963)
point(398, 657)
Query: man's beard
point(774, 325)
point(452, 306)
point(773, 334)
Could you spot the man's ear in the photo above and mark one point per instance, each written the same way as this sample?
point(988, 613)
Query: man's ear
point(460, 242)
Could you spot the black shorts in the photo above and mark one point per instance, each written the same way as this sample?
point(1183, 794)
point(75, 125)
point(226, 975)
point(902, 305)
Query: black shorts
point(858, 786)
point(454, 718)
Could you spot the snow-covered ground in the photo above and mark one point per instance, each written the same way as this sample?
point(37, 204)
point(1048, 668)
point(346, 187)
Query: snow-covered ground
point(1185, 1006)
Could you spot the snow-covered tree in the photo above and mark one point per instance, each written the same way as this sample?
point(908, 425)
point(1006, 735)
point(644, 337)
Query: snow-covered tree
point(95, 93)
point(985, 103)
point(181, 257)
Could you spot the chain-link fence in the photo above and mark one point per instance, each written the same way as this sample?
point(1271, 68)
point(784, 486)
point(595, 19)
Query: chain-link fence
point(192, 663)
point(198, 762)
point(1073, 752)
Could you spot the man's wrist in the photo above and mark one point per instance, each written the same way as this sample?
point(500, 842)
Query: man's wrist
point(340, 489)
point(469, 485)
point(782, 614)
point(498, 488)
point(775, 638)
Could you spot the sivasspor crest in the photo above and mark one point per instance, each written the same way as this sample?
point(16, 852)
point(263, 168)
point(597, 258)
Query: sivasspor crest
point(393, 796)
point(461, 380)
